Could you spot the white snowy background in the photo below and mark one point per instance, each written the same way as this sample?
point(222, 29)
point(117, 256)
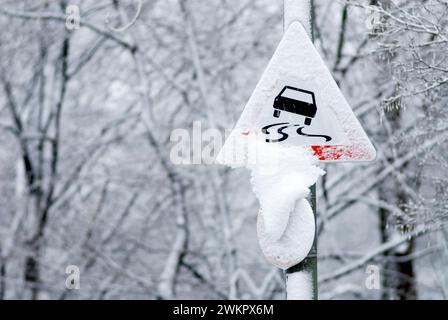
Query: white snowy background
point(86, 177)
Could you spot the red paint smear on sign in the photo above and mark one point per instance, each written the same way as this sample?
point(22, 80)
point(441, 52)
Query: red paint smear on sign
point(333, 153)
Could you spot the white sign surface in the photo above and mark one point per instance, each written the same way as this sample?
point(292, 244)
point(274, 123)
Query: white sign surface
point(297, 102)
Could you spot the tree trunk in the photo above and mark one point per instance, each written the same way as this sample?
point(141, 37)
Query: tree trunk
point(398, 271)
point(2, 275)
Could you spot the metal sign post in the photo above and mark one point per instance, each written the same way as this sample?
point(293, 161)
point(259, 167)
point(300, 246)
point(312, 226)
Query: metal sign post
point(301, 10)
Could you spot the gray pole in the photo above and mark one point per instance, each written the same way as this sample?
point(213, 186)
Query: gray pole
point(309, 265)
point(299, 10)
point(302, 11)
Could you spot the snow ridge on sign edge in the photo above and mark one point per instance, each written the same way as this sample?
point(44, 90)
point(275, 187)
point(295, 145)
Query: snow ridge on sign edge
point(295, 50)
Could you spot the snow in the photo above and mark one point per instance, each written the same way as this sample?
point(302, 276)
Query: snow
point(298, 95)
point(281, 177)
point(295, 243)
point(299, 286)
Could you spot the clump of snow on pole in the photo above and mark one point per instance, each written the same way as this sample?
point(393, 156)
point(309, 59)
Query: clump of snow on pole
point(281, 177)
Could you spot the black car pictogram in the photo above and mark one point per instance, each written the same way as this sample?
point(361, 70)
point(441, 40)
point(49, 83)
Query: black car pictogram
point(296, 101)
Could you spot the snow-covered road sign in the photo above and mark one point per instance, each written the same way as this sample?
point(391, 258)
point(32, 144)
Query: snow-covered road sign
point(297, 102)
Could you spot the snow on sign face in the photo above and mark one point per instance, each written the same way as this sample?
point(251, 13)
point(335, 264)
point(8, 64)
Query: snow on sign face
point(298, 103)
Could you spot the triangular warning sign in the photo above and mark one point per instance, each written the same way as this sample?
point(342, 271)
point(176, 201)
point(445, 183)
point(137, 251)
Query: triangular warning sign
point(297, 102)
